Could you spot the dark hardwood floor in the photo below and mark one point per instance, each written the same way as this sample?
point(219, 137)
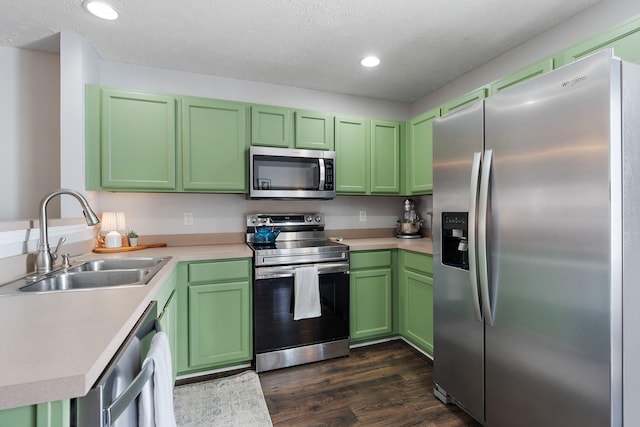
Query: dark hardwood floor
point(388, 384)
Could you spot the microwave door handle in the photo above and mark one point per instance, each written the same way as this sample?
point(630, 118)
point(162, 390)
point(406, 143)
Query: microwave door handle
point(323, 174)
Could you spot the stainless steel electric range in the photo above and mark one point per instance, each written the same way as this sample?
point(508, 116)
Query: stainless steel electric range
point(280, 340)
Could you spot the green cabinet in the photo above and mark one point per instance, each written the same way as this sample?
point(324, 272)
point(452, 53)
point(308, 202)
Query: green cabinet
point(131, 138)
point(133, 143)
point(168, 315)
point(371, 299)
point(418, 154)
point(416, 298)
point(286, 128)
point(367, 156)
point(214, 145)
point(214, 314)
point(529, 72)
point(464, 100)
point(50, 414)
point(385, 157)
point(352, 155)
point(271, 126)
point(624, 39)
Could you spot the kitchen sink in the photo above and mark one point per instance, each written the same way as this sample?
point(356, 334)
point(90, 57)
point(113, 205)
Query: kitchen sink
point(92, 274)
point(87, 279)
point(117, 264)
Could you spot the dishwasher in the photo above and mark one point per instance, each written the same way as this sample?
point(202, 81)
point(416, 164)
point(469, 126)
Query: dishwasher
point(112, 401)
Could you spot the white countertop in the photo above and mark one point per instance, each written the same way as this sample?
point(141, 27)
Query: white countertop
point(55, 345)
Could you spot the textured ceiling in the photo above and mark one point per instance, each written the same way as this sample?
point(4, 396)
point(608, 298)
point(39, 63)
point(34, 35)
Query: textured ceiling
point(314, 44)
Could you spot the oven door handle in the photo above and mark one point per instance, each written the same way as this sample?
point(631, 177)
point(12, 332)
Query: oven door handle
point(289, 270)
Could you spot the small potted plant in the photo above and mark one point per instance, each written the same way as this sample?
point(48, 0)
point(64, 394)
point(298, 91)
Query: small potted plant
point(133, 238)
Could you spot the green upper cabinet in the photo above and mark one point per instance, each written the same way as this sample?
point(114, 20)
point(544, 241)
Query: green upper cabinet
point(522, 75)
point(464, 100)
point(624, 39)
point(136, 135)
point(418, 154)
point(214, 145)
point(385, 157)
point(271, 126)
point(352, 154)
point(314, 130)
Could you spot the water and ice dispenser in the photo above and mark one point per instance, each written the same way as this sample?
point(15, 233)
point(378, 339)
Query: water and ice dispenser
point(454, 239)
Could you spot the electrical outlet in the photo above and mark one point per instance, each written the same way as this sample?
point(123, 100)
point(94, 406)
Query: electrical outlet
point(188, 218)
point(363, 216)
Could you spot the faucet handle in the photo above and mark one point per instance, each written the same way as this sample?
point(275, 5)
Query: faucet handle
point(54, 255)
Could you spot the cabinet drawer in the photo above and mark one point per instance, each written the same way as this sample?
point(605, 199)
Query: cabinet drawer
point(370, 259)
point(418, 262)
point(220, 270)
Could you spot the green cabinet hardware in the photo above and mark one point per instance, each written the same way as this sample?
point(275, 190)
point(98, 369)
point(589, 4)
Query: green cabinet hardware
point(271, 126)
point(214, 145)
point(416, 298)
point(418, 154)
point(50, 414)
point(624, 39)
point(529, 72)
point(371, 295)
point(214, 314)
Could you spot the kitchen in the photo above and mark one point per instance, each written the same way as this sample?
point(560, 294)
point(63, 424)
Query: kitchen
point(380, 211)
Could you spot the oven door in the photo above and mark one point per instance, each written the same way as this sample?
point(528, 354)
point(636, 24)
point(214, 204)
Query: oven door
point(277, 333)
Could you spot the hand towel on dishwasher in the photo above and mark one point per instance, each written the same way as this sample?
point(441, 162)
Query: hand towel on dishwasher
point(156, 399)
point(306, 293)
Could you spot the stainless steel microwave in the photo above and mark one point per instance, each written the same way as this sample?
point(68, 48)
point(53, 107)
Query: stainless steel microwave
point(284, 173)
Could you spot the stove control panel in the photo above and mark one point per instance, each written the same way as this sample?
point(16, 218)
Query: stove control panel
point(289, 220)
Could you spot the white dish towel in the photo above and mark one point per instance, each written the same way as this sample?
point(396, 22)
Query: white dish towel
point(306, 293)
point(155, 407)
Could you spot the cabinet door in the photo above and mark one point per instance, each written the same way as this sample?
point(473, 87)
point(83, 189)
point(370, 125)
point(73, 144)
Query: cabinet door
point(385, 157)
point(219, 323)
point(417, 309)
point(522, 75)
point(138, 141)
point(352, 164)
point(419, 160)
point(314, 131)
point(371, 313)
point(624, 39)
point(214, 145)
point(49, 414)
point(463, 101)
point(271, 126)
point(169, 322)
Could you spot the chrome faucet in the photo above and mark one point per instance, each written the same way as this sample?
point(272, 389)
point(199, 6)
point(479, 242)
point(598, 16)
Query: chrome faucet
point(44, 258)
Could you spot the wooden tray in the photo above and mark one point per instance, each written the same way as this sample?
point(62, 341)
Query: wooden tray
point(128, 248)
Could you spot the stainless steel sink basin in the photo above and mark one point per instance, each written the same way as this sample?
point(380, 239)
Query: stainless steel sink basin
point(92, 274)
point(117, 264)
point(87, 279)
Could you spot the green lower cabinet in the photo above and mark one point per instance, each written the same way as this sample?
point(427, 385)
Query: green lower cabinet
point(371, 283)
point(214, 315)
point(416, 299)
point(51, 414)
point(169, 322)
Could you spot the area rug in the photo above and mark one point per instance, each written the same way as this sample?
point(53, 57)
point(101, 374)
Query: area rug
point(232, 401)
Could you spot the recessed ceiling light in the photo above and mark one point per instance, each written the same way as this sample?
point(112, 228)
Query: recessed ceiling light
point(101, 10)
point(370, 61)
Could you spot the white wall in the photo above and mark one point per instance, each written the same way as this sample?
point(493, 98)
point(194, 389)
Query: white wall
point(29, 131)
point(599, 17)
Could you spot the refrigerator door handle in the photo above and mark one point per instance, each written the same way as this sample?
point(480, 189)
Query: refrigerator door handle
point(473, 210)
point(483, 212)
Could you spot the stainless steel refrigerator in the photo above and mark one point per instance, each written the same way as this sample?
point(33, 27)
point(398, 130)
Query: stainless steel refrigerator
point(536, 225)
